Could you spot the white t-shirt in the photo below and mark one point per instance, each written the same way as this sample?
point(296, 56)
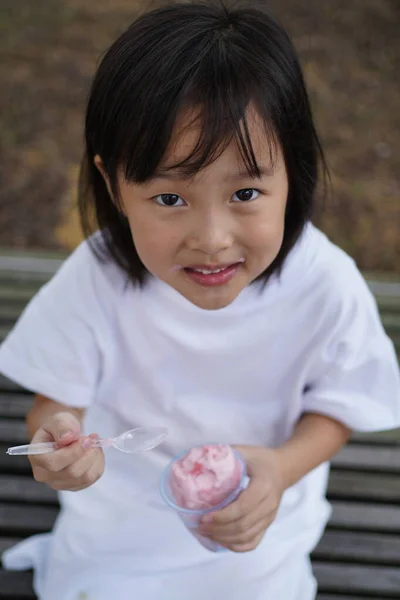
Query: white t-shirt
point(310, 340)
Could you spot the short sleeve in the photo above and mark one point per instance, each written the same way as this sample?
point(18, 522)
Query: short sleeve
point(54, 348)
point(357, 378)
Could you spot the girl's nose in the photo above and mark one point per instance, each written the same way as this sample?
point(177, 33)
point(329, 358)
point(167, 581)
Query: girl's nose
point(211, 234)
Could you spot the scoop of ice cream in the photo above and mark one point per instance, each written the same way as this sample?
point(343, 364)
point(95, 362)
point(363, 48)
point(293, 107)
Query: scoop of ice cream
point(205, 476)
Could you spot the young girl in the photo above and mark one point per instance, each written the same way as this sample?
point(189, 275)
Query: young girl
point(208, 304)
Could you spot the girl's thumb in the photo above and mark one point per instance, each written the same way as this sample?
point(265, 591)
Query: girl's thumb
point(64, 428)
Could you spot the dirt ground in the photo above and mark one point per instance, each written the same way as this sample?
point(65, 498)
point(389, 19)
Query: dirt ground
point(351, 55)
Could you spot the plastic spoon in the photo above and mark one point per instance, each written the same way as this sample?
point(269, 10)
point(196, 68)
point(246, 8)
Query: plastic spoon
point(132, 441)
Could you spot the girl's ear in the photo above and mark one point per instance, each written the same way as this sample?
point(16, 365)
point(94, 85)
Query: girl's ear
point(100, 166)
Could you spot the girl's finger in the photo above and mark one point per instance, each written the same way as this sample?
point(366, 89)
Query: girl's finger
point(87, 478)
point(59, 460)
point(246, 523)
point(75, 471)
point(65, 486)
point(243, 537)
point(247, 547)
point(245, 504)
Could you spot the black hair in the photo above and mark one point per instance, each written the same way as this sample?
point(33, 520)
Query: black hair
point(195, 55)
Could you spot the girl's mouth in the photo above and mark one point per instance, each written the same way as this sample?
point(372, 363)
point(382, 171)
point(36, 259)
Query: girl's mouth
point(212, 275)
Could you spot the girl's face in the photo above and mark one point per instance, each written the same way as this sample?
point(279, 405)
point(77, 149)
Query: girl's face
point(211, 235)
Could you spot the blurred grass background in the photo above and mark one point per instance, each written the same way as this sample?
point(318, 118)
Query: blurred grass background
point(350, 52)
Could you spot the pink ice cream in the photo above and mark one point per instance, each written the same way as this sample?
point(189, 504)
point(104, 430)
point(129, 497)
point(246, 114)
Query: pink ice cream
point(205, 476)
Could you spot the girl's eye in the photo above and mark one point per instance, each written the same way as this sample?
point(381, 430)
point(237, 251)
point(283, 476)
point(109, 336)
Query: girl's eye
point(169, 200)
point(245, 195)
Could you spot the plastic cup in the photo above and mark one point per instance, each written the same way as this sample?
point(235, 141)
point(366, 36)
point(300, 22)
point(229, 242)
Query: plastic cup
point(192, 518)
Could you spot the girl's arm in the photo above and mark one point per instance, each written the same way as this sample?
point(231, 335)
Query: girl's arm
point(315, 440)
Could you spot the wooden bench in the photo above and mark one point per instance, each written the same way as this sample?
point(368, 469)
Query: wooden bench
point(359, 555)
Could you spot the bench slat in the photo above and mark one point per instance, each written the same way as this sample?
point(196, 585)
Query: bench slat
point(364, 486)
point(35, 265)
point(16, 585)
point(19, 465)
point(25, 489)
point(4, 331)
point(366, 517)
point(388, 304)
point(378, 548)
point(13, 431)
point(389, 437)
point(15, 405)
point(385, 288)
point(7, 385)
point(357, 579)
point(20, 519)
point(13, 295)
point(342, 597)
point(365, 457)
point(391, 322)
point(7, 542)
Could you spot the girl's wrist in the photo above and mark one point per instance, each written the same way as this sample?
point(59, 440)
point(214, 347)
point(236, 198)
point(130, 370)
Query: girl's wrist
point(276, 465)
point(286, 466)
point(315, 440)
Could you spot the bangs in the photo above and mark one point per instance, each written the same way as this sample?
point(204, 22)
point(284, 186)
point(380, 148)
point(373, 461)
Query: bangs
point(218, 94)
point(218, 122)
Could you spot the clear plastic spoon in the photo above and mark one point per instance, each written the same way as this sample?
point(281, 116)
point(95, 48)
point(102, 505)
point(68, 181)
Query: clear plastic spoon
point(135, 440)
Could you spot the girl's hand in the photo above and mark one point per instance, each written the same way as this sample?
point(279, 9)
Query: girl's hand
point(242, 525)
point(73, 467)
